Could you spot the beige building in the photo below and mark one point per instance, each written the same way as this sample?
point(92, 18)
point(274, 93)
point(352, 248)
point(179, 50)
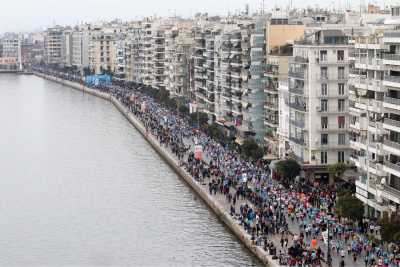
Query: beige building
point(53, 45)
point(102, 51)
point(279, 37)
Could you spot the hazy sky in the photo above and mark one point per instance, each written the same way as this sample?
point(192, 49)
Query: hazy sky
point(27, 15)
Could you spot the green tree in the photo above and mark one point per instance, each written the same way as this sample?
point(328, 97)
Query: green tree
point(251, 150)
point(198, 117)
point(288, 169)
point(390, 231)
point(349, 206)
point(216, 133)
point(337, 170)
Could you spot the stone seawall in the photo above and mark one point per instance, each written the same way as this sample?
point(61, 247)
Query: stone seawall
point(217, 208)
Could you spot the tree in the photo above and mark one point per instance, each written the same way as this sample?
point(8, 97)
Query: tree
point(288, 169)
point(251, 150)
point(198, 117)
point(216, 133)
point(337, 170)
point(349, 206)
point(390, 231)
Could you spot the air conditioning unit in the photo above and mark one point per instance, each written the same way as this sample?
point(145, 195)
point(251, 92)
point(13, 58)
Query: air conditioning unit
point(318, 109)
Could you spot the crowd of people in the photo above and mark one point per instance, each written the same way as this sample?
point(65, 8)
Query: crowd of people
point(290, 224)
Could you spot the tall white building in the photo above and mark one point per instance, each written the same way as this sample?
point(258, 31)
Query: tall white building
point(80, 48)
point(318, 104)
point(375, 118)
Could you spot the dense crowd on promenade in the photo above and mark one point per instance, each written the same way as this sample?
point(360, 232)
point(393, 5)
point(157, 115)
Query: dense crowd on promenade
point(267, 210)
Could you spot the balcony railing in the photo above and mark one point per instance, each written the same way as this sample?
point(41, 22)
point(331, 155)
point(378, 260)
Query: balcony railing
point(394, 166)
point(393, 79)
point(298, 123)
point(297, 74)
point(392, 144)
point(394, 57)
point(297, 90)
point(391, 100)
point(393, 191)
point(298, 106)
point(392, 34)
point(297, 140)
point(392, 122)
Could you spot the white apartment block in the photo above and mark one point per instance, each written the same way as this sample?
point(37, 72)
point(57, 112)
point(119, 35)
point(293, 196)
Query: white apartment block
point(178, 51)
point(205, 62)
point(318, 104)
point(229, 65)
point(67, 48)
point(80, 48)
point(10, 45)
point(375, 119)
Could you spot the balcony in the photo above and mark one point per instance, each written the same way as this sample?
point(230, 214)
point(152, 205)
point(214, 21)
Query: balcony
point(393, 81)
point(393, 125)
point(392, 103)
point(390, 193)
point(298, 123)
point(391, 59)
point(271, 106)
point(297, 140)
point(298, 106)
point(296, 90)
point(391, 147)
point(392, 168)
point(297, 74)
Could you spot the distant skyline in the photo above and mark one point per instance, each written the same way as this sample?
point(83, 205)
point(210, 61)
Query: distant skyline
point(30, 15)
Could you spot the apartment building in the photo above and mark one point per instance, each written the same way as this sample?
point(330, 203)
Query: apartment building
point(67, 48)
point(102, 50)
point(318, 90)
point(53, 45)
point(375, 118)
point(280, 36)
point(178, 51)
point(120, 58)
point(229, 65)
point(10, 45)
point(158, 59)
point(80, 48)
point(132, 54)
point(205, 61)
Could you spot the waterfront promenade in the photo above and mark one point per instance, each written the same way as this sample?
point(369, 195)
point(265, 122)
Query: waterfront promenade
point(218, 202)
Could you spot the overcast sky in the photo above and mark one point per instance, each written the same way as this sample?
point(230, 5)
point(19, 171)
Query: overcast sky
point(28, 15)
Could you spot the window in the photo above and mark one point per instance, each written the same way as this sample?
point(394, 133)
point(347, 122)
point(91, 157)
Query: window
point(340, 55)
point(341, 89)
point(324, 89)
point(341, 105)
point(324, 73)
point(324, 157)
point(341, 122)
point(324, 104)
point(341, 73)
point(323, 55)
point(340, 156)
point(324, 139)
point(341, 139)
point(324, 122)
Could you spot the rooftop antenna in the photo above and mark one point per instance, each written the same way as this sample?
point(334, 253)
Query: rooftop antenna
point(263, 7)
